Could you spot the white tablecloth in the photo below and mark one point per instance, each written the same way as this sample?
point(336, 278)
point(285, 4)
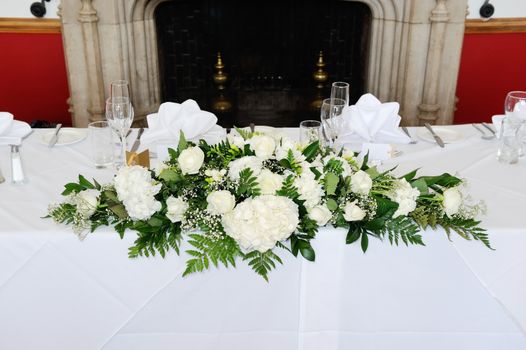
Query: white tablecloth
point(59, 293)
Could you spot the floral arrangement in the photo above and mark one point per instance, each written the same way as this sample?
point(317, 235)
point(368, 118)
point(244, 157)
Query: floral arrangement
point(253, 194)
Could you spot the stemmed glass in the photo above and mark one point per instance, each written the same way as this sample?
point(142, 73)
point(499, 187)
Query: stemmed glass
point(331, 118)
point(515, 108)
point(119, 113)
point(340, 90)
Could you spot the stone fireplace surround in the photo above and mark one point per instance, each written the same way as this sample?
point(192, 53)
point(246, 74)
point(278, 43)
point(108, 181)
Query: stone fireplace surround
point(414, 55)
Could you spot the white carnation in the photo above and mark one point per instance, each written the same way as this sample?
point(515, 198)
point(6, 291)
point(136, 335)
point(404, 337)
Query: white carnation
point(235, 139)
point(263, 145)
point(258, 223)
point(310, 190)
point(352, 212)
point(87, 202)
point(215, 175)
point(405, 195)
point(136, 189)
point(452, 201)
point(236, 166)
point(269, 182)
point(321, 214)
point(361, 183)
point(220, 202)
point(190, 160)
point(175, 208)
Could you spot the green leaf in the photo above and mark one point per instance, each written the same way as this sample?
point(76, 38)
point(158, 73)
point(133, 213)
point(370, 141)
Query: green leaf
point(183, 144)
point(353, 235)
point(155, 222)
point(445, 180)
point(311, 150)
point(71, 187)
point(421, 185)
point(85, 183)
point(364, 242)
point(110, 195)
point(410, 176)
point(385, 207)
point(169, 175)
point(119, 210)
point(262, 263)
point(331, 204)
point(331, 182)
point(372, 172)
point(306, 250)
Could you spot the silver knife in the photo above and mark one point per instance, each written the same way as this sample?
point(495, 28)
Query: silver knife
point(488, 127)
point(54, 138)
point(435, 136)
point(137, 142)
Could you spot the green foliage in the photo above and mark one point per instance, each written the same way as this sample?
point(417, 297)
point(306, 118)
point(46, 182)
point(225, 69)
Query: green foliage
point(465, 228)
point(248, 184)
point(262, 263)
point(245, 134)
point(290, 162)
point(288, 189)
point(220, 154)
point(402, 228)
point(311, 151)
point(331, 182)
point(156, 235)
point(208, 248)
point(82, 185)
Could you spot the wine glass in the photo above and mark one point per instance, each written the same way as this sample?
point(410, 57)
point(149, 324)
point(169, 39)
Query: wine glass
point(119, 114)
point(120, 88)
point(331, 118)
point(340, 90)
point(515, 109)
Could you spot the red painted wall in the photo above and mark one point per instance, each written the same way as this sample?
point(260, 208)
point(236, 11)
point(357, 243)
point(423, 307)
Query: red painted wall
point(491, 65)
point(33, 81)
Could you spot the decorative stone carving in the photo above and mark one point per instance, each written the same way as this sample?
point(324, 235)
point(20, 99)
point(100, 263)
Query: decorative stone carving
point(414, 55)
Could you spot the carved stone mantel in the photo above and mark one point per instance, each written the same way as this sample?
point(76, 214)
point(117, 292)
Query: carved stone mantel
point(414, 55)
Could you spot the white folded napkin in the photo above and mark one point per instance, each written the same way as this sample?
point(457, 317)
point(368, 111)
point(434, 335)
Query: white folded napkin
point(172, 118)
point(372, 121)
point(12, 131)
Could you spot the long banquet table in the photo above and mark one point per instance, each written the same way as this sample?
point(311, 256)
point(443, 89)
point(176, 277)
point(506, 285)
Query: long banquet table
point(57, 292)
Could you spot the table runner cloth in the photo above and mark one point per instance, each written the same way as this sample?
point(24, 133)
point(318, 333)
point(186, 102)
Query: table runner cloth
point(59, 293)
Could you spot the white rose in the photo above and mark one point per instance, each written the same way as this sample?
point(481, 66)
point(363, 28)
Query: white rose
point(263, 145)
point(176, 207)
point(87, 202)
point(361, 182)
point(236, 166)
point(321, 214)
point(452, 201)
point(269, 182)
point(216, 175)
point(258, 223)
point(220, 202)
point(352, 212)
point(190, 160)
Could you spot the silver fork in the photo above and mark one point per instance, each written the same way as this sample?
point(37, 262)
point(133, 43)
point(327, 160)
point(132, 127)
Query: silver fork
point(484, 136)
point(413, 141)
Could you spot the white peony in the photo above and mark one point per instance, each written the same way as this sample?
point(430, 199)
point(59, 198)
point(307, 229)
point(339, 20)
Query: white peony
point(269, 182)
point(136, 189)
point(352, 212)
point(220, 202)
point(175, 208)
point(405, 195)
point(452, 201)
point(361, 183)
point(87, 202)
point(321, 214)
point(310, 190)
point(250, 162)
point(258, 223)
point(215, 175)
point(263, 145)
point(190, 160)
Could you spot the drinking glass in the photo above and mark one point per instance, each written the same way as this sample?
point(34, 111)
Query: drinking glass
point(515, 108)
point(120, 88)
point(509, 141)
point(310, 131)
point(119, 114)
point(340, 90)
point(101, 139)
point(331, 118)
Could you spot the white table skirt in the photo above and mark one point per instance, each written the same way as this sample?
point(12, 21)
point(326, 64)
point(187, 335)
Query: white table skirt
point(59, 293)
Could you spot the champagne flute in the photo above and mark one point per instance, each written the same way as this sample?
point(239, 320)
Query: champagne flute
point(119, 114)
point(331, 118)
point(340, 90)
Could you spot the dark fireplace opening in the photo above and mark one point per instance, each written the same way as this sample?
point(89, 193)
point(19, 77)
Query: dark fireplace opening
point(268, 55)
